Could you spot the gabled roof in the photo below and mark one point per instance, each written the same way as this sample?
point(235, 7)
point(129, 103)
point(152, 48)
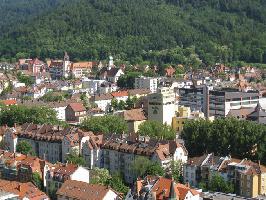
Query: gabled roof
point(83, 191)
point(77, 107)
point(133, 115)
point(27, 190)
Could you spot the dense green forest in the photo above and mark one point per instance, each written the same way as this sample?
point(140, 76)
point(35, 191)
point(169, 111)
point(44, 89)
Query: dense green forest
point(191, 32)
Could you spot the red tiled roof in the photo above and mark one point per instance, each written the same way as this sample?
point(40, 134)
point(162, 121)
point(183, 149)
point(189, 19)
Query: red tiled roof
point(120, 94)
point(83, 191)
point(9, 102)
point(77, 107)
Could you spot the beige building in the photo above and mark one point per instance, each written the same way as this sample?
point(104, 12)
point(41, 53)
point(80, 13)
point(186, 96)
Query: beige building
point(134, 118)
point(162, 105)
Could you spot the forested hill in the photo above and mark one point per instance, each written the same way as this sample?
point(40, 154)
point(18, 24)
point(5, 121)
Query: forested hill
point(217, 30)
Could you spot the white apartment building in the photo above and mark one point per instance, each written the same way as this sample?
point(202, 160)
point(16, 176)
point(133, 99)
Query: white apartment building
point(162, 105)
point(146, 83)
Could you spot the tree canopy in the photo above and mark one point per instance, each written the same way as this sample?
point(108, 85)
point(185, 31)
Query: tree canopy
point(21, 114)
point(156, 129)
point(189, 32)
point(24, 147)
point(142, 166)
point(229, 136)
point(105, 124)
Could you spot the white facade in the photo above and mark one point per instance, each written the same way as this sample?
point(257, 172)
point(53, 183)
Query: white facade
point(162, 105)
point(92, 86)
point(146, 83)
point(110, 195)
point(60, 113)
point(81, 174)
point(104, 105)
point(180, 155)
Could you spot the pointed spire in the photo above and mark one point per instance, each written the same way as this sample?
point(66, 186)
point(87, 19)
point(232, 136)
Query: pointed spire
point(66, 57)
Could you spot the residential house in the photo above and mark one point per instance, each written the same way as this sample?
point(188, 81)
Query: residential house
point(25, 191)
point(92, 152)
point(75, 113)
point(103, 101)
point(85, 191)
point(120, 95)
point(111, 74)
point(134, 118)
point(155, 187)
point(57, 174)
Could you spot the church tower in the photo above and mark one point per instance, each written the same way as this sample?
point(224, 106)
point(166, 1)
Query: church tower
point(111, 62)
point(66, 66)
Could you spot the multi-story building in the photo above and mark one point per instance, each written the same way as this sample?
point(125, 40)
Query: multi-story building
point(184, 114)
point(162, 105)
point(48, 142)
point(195, 97)
point(120, 156)
point(146, 83)
point(222, 101)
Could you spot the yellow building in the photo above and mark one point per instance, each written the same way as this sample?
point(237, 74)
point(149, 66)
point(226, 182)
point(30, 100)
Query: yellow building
point(182, 115)
point(252, 181)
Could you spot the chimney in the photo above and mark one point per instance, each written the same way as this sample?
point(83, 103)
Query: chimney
point(15, 125)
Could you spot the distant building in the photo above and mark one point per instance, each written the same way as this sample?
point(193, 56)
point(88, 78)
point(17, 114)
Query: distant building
point(162, 105)
point(146, 83)
point(222, 101)
point(195, 97)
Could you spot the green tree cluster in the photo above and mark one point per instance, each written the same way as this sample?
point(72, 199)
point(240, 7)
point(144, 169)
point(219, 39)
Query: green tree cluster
point(157, 130)
point(21, 114)
point(127, 81)
point(102, 177)
point(217, 184)
point(229, 136)
point(189, 32)
point(130, 103)
point(142, 167)
point(105, 124)
point(25, 79)
point(74, 158)
point(24, 147)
